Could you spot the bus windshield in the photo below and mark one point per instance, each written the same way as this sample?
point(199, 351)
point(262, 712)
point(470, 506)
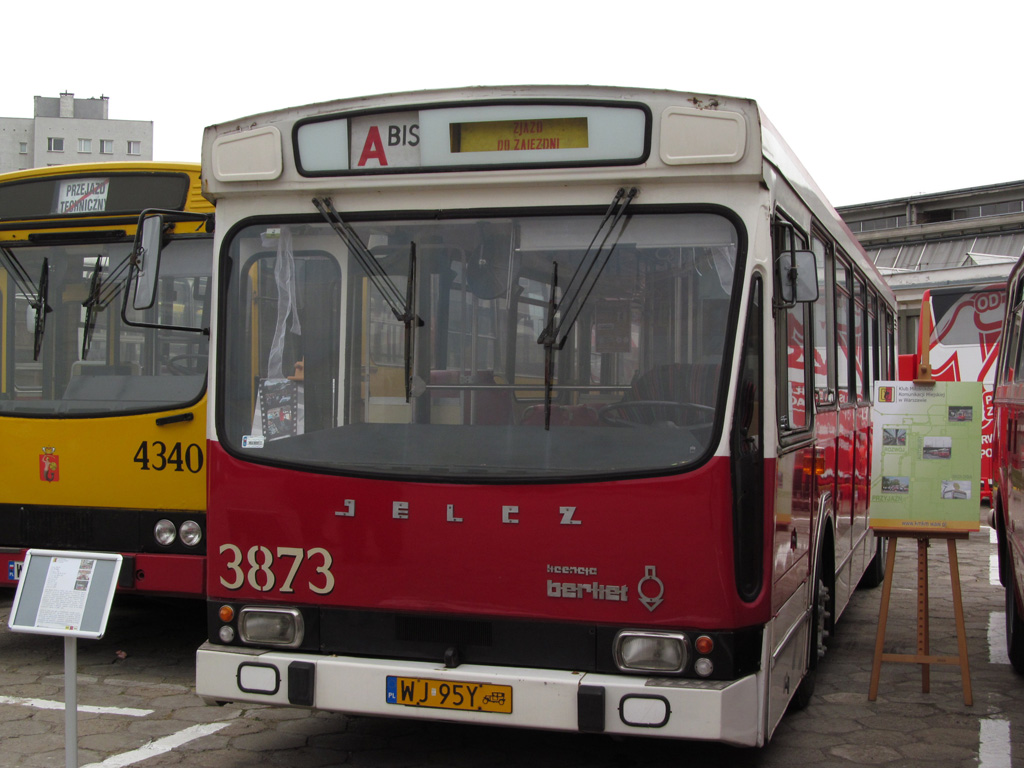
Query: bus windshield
point(69, 353)
point(335, 360)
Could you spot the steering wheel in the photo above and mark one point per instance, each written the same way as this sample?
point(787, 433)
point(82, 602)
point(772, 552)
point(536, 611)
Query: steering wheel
point(667, 413)
point(187, 365)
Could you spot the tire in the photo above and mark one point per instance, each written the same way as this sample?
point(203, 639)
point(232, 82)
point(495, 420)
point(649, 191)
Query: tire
point(821, 630)
point(1000, 526)
point(1014, 624)
point(875, 574)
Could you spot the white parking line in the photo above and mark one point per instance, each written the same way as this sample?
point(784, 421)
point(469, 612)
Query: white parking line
point(45, 704)
point(993, 560)
point(997, 638)
point(994, 744)
point(160, 746)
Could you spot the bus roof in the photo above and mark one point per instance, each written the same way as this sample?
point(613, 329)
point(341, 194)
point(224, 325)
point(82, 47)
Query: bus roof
point(706, 136)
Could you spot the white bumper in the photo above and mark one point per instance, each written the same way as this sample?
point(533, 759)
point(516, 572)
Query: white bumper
point(541, 698)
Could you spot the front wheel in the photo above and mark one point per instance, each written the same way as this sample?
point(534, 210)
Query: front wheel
point(821, 631)
point(1014, 624)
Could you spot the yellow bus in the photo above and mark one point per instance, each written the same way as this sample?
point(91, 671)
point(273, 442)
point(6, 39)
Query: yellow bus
point(103, 398)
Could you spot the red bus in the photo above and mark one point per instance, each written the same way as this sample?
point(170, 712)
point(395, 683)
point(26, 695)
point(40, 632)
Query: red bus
point(963, 345)
point(1008, 462)
point(545, 407)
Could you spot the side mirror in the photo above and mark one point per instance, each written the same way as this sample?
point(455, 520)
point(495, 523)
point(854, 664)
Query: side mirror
point(798, 277)
point(147, 261)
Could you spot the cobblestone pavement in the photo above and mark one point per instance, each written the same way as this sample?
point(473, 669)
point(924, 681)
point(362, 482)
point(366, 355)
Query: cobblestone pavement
point(137, 705)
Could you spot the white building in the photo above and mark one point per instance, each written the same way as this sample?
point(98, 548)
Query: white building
point(954, 239)
point(68, 130)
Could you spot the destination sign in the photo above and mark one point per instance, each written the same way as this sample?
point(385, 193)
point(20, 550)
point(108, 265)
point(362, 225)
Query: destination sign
point(89, 195)
point(82, 196)
point(519, 135)
point(491, 135)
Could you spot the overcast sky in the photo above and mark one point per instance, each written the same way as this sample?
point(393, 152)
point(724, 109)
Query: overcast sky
point(879, 99)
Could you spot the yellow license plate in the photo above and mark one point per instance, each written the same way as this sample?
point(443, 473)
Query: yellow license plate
point(449, 694)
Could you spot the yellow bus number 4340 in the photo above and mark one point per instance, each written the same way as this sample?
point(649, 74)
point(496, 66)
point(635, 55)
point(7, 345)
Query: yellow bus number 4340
point(156, 456)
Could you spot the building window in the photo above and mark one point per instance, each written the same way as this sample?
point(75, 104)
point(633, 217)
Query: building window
point(106, 146)
point(134, 147)
point(85, 145)
point(22, 147)
point(872, 225)
point(55, 144)
point(993, 209)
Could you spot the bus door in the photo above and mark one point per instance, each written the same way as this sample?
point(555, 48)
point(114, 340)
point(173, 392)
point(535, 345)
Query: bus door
point(862, 435)
point(846, 443)
point(798, 454)
point(826, 401)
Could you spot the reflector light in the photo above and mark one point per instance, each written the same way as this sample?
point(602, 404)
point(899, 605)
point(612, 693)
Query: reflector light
point(703, 667)
point(704, 645)
point(258, 678)
point(164, 532)
point(271, 626)
point(657, 652)
point(644, 711)
point(226, 613)
point(191, 533)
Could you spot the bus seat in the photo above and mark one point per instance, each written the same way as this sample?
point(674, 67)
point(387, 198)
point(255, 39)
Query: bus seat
point(705, 382)
point(667, 383)
point(562, 416)
point(480, 406)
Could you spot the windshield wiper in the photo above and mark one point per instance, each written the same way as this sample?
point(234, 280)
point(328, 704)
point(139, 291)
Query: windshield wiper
point(401, 306)
point(580, 286)
point(42, 308)
point(34, 292)
point(101, 293)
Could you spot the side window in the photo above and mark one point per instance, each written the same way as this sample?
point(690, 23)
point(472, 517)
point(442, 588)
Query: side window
point(1013, 375)
point(875, 347)
point(860, 360)
point(824, 364)
point(793, 328)
point(1008, 356)
point(843, 331)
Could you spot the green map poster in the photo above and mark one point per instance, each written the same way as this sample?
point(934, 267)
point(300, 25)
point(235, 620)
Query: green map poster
point(926, 456)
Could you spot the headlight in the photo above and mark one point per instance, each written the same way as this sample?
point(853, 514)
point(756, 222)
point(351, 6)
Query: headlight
point(164, 532)
point(652, 652)
point(191, 533)
point(271, 626)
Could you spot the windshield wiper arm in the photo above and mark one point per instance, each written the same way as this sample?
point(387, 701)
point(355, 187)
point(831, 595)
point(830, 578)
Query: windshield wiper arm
point(41, 307)
point(549, 348)
point(381, 280)
point(22, 281)
point(583, 280)
point(91, 305)
point(401, 306)
point(36, 293)
point(580, 286)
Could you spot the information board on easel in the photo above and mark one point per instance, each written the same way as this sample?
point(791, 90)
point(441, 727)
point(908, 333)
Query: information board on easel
point(926, 473)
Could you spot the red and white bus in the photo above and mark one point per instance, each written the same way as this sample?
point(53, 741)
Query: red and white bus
point(963, 345)
point(1008, 464)
point(518, 419)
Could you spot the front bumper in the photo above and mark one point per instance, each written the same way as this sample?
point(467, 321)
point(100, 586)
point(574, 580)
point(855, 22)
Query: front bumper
point(541, 698)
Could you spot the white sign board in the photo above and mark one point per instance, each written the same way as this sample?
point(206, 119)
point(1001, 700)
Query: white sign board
point(65, 593)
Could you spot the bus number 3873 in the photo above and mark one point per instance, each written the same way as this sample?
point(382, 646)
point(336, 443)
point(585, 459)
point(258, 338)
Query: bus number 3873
point(258, 570)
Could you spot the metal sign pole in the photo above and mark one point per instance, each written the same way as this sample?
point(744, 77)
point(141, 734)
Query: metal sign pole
point(66, 594)
point(71, 702)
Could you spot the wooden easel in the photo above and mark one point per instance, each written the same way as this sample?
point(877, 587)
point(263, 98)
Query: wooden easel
point(922, 657)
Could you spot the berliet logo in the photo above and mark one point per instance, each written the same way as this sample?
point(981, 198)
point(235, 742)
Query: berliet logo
point(650, 589)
